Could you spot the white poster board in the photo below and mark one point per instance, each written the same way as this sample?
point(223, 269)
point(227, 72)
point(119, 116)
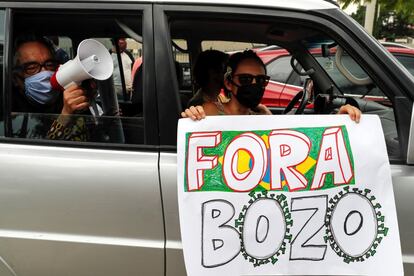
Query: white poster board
point(286, 195)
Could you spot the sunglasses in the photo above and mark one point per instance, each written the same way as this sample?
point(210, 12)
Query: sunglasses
point(246, 79)
point(31, 68)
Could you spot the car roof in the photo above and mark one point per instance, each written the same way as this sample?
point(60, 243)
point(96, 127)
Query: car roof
point(296, 4)
point(286, 4)
point(268, 55)
point(393, 44)
point(398, 50)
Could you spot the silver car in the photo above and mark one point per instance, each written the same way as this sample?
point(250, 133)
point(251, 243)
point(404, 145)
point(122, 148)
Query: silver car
point(107, 204)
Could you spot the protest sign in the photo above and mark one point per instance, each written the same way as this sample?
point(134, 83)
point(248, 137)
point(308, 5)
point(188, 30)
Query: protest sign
point(286, 195)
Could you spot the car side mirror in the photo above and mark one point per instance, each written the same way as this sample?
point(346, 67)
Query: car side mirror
point(410, 151)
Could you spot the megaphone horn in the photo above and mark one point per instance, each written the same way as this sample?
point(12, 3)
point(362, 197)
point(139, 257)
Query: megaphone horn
point(92, 62)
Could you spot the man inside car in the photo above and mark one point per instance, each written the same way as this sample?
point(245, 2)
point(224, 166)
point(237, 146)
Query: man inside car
point(33, 65)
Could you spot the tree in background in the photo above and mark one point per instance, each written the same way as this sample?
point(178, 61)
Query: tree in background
point(393, 24)
point(346, 3)
point(395, 19)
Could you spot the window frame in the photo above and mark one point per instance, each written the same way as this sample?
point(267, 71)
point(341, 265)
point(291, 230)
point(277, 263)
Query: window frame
point(150, 115)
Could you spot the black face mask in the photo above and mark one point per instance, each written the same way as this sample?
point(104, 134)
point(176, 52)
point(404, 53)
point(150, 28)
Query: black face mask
point(250, 95)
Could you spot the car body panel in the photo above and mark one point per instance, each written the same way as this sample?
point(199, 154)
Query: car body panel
point(269, 55)
point(402, 178)
point(273, 92)
point(168, 176)
point(61, 204)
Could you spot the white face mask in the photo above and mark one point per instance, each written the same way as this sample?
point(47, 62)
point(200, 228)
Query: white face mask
point(39, 89)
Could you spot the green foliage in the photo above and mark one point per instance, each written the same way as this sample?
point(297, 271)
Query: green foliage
point(405, 7)
point(359, 15)
point(393, 24)
point(346, 3)
point(395, 19)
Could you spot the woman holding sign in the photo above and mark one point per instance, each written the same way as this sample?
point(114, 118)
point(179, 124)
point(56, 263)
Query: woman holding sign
point(245, 82)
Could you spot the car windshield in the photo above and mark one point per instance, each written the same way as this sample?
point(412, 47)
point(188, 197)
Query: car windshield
point(346, 86)
point(348, 76)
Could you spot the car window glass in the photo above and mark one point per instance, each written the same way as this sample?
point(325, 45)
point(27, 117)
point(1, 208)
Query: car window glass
point(182, 68)
point(306, 42)
point(296, 80)
point(182, 63)
point(115, 114)
point(65, 43)
point(346, 86)
point(407, 61)
point(127, 63)
point(279, 69)
point(63, 47)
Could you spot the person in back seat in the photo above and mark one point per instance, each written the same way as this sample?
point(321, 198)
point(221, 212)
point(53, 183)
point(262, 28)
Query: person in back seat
point(208, 75)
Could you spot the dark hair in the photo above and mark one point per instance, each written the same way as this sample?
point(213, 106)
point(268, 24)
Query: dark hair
point(19, 41)
point(238, 57)
point(208, 60)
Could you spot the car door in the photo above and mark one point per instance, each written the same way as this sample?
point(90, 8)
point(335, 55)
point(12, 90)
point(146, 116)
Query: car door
point(80, 207)
point(289, 26)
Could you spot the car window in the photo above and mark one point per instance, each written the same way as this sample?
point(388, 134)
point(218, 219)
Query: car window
point(127, 65)
point(279, 69)
point(182, 63)
point(220, 33)
point(345, 85)
point(66, 44)
point(407, 61)
point(115, 113)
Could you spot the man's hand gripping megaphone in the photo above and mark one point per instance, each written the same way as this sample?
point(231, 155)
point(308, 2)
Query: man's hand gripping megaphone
point(93, 61)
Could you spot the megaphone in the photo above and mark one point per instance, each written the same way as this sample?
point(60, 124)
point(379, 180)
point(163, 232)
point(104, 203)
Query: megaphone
point(92, 62)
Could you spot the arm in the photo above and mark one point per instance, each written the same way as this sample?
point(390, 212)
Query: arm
point(64, 128)
point(76, 131)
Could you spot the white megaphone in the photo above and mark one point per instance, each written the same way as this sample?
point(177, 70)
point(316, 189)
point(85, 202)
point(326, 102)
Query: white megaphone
point(92, 62)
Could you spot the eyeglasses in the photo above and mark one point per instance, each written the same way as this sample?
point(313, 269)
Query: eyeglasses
point(246, 79)
point(31, 68)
